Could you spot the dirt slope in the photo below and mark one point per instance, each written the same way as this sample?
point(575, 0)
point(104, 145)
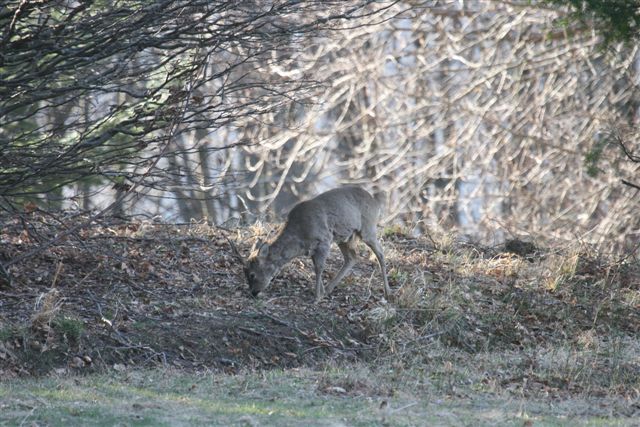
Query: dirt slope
point(140, 294)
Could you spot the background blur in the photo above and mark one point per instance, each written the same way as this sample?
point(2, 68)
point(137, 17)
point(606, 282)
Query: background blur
point(496, 119)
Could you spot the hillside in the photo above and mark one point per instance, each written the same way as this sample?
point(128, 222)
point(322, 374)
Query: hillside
point(128, 295)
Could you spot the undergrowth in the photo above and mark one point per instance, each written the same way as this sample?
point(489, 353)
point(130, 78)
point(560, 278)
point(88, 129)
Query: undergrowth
point(572, 314)
point(554, 320)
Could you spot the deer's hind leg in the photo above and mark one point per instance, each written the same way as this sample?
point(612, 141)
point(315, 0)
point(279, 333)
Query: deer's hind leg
point(350, 254)
point(370, 240)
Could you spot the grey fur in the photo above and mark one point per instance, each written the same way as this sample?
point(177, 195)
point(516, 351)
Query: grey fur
point(341, 215)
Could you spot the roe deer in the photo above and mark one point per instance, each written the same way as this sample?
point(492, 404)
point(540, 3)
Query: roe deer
point(339, 215)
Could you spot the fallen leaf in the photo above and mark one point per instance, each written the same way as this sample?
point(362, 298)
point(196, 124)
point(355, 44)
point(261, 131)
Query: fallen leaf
point(77, 363)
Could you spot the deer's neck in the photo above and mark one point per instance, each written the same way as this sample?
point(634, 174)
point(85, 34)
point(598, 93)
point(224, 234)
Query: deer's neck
point(284, 248)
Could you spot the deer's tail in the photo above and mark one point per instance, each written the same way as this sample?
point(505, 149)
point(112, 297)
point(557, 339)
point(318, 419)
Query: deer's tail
point(381, 198)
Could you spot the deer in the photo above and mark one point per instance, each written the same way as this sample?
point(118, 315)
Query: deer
point(342, 215)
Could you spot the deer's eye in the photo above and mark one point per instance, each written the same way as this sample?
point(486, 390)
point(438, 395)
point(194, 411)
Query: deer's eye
point(252, 276)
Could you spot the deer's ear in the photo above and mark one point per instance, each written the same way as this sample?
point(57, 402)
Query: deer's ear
point(263, 249)
point(256, 246)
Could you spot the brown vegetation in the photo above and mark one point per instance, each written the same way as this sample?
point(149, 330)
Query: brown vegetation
point(143, 294)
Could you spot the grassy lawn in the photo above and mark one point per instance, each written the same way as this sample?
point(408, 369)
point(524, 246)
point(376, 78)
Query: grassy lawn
point(351, 395)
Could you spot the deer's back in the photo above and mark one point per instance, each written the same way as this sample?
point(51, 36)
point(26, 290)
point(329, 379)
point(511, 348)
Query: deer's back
point(341, 212)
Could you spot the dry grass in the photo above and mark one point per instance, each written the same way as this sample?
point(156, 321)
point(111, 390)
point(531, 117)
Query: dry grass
point(572, 315)
point(555, 321)
point(46, 308)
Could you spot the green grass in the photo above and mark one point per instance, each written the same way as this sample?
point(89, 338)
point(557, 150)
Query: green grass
point(8, 332)
point(350, 395)
point(70, 328)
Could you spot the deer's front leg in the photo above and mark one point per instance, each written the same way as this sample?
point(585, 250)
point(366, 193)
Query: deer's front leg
point(319, 257)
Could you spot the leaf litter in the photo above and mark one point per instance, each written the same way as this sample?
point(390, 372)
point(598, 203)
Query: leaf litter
point(136, 294)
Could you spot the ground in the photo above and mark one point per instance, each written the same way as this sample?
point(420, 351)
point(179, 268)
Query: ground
point(159, 315)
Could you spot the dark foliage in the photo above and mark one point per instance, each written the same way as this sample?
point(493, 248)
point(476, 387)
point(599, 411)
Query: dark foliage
point(99, 91)
point(616, 20)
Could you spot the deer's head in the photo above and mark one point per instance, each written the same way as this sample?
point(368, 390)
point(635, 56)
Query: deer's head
point(258, 269)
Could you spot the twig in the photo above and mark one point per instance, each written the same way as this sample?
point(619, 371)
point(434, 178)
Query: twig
point(402, 408)
point(253, 331)
point(429, 336)
point(171, 239)
point(630, 184)
point(315, 347)
point(27, 416)
point(234, 248)
point(56, 274)
point(282, 322)
point(6, 276)
point(629, 154)
point(89, 274)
